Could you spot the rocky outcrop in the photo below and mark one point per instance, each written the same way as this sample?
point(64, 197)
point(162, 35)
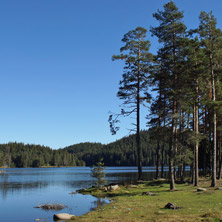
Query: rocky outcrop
point(63, 216)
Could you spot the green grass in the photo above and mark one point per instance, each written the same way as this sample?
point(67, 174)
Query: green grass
point(128, 204)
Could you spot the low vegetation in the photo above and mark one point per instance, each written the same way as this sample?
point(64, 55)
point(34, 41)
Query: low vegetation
point(134, 203)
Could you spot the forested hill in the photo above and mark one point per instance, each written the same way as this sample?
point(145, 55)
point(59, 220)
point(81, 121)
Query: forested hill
point(119, 153)
point(29, 155)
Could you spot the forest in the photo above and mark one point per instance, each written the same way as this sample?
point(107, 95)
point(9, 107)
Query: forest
point(181, 86)
point(119, 153)
point(29, 155)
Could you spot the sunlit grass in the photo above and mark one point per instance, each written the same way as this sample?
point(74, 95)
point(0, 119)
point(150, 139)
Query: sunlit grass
point(130, 205)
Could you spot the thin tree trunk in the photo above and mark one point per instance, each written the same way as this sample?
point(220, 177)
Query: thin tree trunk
point(192, 172)
point(158, 160)
point(162, 161)
point(171, 168)
point(163, 146)
point(172, 150)
point(139, 150)
point(197, 140)
point(183, 172)
point(205, 149)
point(194, 149)
point(220, 159)
point(214, 160)
point(171, 171)
point(214, 156)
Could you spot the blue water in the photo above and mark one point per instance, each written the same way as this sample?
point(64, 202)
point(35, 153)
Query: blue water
point(24, 188)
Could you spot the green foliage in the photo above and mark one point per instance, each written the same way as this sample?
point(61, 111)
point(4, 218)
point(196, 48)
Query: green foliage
point(98, 172)
point(119, 153)
point(135, 79)
point(130, 205)
point(2, 162)
point(21, 155)
point(133, 89)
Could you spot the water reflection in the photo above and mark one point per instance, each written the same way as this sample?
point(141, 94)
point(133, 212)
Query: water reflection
point(99, 203)
point(7, 186)
point(19, 180)
point(4, 185)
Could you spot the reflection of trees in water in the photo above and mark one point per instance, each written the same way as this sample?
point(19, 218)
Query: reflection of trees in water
point(99, 203)
point(6, 186)
point(132, 176)
point(80, 184)
point(128, 176)
point(3, 185)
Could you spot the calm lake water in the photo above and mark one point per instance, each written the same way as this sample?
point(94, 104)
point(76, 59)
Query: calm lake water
point(23, 189)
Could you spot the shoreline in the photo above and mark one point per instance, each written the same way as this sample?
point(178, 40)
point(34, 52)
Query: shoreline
point(146, 201)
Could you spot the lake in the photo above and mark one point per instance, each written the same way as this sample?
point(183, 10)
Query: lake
point(21, 189)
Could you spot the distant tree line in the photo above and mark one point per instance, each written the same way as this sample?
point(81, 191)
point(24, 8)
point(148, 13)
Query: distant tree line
point(21, 155)
point(119, 153)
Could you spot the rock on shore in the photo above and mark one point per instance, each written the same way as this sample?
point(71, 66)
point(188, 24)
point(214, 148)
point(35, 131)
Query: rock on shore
point(62, 216)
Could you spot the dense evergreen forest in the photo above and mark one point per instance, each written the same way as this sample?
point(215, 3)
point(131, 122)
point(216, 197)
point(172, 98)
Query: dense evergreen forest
point(119, 153)
point(21, 155)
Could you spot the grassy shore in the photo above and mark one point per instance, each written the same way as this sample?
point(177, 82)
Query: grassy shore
point(129, 204)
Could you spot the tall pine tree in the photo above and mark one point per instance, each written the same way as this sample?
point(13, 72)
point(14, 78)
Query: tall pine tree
point(170, 33)
point(133, 89)
point(211, 38)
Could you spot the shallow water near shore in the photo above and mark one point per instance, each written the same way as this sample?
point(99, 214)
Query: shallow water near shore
point(25, 188)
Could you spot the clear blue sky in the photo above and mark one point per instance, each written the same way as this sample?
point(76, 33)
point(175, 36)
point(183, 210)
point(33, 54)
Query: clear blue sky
point(57, 80)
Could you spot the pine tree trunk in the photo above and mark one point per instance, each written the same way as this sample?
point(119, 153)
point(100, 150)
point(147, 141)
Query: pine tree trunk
point(197, 142)
point(192, 172)
point(219, 157)
point(205, 149)
point(171, 171)
point(162, 161)
point(163, 146)
point(158, 160)
point(171, 152)
point(139, 150)
point(183, 172)
point(214, 156)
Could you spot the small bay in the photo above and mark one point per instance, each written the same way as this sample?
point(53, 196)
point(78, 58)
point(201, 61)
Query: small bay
point(22, 189)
